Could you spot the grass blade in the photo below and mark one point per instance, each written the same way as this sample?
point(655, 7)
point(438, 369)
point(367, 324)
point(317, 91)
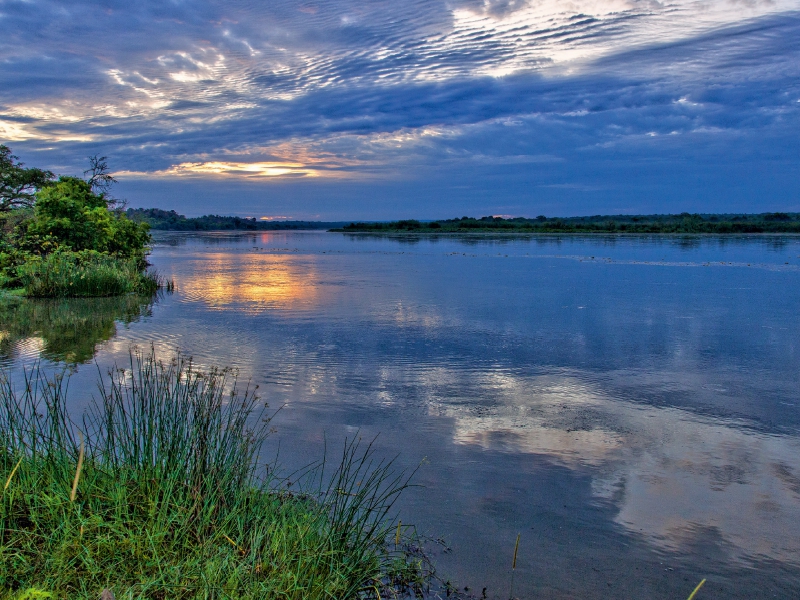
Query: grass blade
point(697, 589)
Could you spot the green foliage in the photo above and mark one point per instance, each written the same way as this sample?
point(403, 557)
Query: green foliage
point(19, 185)
point(68, 214)
point(170, 502)
point(33, 594)
point(409, 225)
point(61, 239)
point(86, 273)
point(70, 329)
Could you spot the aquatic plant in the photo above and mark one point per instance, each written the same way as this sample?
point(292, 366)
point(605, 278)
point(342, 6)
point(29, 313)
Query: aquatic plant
point(157, 492)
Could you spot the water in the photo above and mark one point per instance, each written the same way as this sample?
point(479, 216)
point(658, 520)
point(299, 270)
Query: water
point(629, 405)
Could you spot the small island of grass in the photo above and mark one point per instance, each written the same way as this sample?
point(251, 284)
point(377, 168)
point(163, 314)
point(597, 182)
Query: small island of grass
point(65, 236)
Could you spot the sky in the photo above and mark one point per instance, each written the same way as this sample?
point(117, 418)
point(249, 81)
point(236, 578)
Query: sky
point(384, 109)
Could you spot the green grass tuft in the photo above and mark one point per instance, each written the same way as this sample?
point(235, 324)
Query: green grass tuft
point(85, 274)
point(33, 594)
point(171, 503)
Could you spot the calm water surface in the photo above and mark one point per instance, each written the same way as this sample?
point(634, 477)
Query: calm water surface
point(629, 405)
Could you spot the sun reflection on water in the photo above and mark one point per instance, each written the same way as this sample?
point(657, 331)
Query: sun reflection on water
point(254, 283)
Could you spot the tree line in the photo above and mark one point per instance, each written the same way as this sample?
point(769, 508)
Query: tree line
point(771, 222)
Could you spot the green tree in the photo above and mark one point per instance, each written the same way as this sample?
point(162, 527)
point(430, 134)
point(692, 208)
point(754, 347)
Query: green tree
point(68, 214)
point(18, 185)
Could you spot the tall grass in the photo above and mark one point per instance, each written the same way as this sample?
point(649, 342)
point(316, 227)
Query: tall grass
point(170, 501)
point(83, 274)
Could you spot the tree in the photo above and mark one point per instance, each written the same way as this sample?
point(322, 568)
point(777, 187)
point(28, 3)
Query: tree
point(18, 185)
point(99, 178)
point(68, 214)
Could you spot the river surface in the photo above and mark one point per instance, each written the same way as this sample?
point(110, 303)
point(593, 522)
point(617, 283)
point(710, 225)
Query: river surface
point(629, 405)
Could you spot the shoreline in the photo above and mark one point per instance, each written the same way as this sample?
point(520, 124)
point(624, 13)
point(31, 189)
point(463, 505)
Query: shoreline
point(384, 233)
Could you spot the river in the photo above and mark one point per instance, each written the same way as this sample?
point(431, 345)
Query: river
point(630, 406)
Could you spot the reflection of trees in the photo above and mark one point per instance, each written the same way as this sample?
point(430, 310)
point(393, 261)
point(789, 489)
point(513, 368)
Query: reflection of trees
point(689, 242)
point(180, 238)
point(776, 243)
point(70, 328)
point(218, 238)
point(408, 240)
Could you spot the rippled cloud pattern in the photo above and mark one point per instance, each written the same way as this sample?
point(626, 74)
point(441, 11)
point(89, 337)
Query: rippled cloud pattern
point(420, 108)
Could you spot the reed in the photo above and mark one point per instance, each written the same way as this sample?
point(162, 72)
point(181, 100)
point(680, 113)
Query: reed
point(514, 566)
point(697, 589)
point(85, 274)
point(81, 456)
point(164, 497)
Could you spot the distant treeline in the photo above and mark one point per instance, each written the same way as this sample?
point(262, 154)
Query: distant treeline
point(775, 222)
point(170, 220)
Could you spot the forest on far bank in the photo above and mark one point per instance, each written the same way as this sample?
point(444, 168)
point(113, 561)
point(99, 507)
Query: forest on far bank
point(170, 220)
point(770, 222)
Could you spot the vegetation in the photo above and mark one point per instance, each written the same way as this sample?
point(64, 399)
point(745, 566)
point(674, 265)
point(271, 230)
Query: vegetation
point(18, 185)
point(170, 220)
point(68, 237)
point(84, 273)
point(157, 493)
point(776, 222)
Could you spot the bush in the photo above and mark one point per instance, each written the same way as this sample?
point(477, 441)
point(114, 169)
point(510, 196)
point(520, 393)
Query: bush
point(87, 273)
point(61, 238)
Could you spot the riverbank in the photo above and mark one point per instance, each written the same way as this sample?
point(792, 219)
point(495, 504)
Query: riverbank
point(169, 220)
point(683, 223)
point(159, 491)
point(71, 277)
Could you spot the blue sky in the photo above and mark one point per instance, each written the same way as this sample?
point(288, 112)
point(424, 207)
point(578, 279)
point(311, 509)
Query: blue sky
point(389, 109)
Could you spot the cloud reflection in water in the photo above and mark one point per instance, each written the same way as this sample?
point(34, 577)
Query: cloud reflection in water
point(677, 478)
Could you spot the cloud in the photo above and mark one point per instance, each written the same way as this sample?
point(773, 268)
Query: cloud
point(366, 91)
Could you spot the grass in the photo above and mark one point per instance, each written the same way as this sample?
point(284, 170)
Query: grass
point(85, 274)
point(169, 500)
